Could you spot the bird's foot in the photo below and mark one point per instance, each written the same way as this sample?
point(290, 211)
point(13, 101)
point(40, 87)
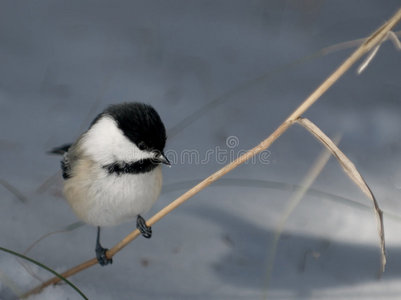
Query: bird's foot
point(102, 257)
point(145, 230)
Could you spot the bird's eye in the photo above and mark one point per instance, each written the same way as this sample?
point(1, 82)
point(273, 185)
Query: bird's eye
point(141, 145)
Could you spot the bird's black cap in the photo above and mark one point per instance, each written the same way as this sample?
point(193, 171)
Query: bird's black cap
point(140, 123)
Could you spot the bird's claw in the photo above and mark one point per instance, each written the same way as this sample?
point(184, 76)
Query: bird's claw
point(144, 229)
point(101, 256)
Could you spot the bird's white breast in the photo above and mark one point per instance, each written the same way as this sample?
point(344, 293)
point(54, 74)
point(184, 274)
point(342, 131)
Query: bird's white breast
point(103, 199)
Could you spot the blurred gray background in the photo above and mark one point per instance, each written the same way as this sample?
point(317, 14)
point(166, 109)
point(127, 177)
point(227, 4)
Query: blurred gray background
point(212, 69)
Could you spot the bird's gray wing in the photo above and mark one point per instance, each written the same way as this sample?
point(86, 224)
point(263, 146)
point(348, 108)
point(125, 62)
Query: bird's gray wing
point(66, 166)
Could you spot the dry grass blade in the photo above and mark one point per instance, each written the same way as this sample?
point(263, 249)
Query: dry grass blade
point(13, 190)
point(368, 59)
point(68, 228)
point(353, 173)
point(390, 36)
point(44, 186)
point(26, 266)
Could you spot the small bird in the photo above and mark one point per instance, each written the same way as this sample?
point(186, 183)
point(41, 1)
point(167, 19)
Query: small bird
point(112, 173)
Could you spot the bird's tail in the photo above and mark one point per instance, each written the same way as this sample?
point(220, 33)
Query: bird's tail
point(60, 150)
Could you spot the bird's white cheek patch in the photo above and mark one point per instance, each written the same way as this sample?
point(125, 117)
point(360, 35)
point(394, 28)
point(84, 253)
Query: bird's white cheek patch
point(105, 143)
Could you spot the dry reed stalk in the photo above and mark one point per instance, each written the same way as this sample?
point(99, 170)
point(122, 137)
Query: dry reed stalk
point(373, 40)
point(352, 172)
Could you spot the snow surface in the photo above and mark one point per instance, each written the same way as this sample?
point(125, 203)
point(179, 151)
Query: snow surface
point(62, 62)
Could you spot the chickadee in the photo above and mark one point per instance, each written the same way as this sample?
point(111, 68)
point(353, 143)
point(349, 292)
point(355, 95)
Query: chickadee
point(112, 173)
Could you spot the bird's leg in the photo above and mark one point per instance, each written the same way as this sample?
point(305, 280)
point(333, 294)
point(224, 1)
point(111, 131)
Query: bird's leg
point(101, 252)
point(145, 230)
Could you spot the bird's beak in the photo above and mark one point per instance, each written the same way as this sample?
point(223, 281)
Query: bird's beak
point(163, 159)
